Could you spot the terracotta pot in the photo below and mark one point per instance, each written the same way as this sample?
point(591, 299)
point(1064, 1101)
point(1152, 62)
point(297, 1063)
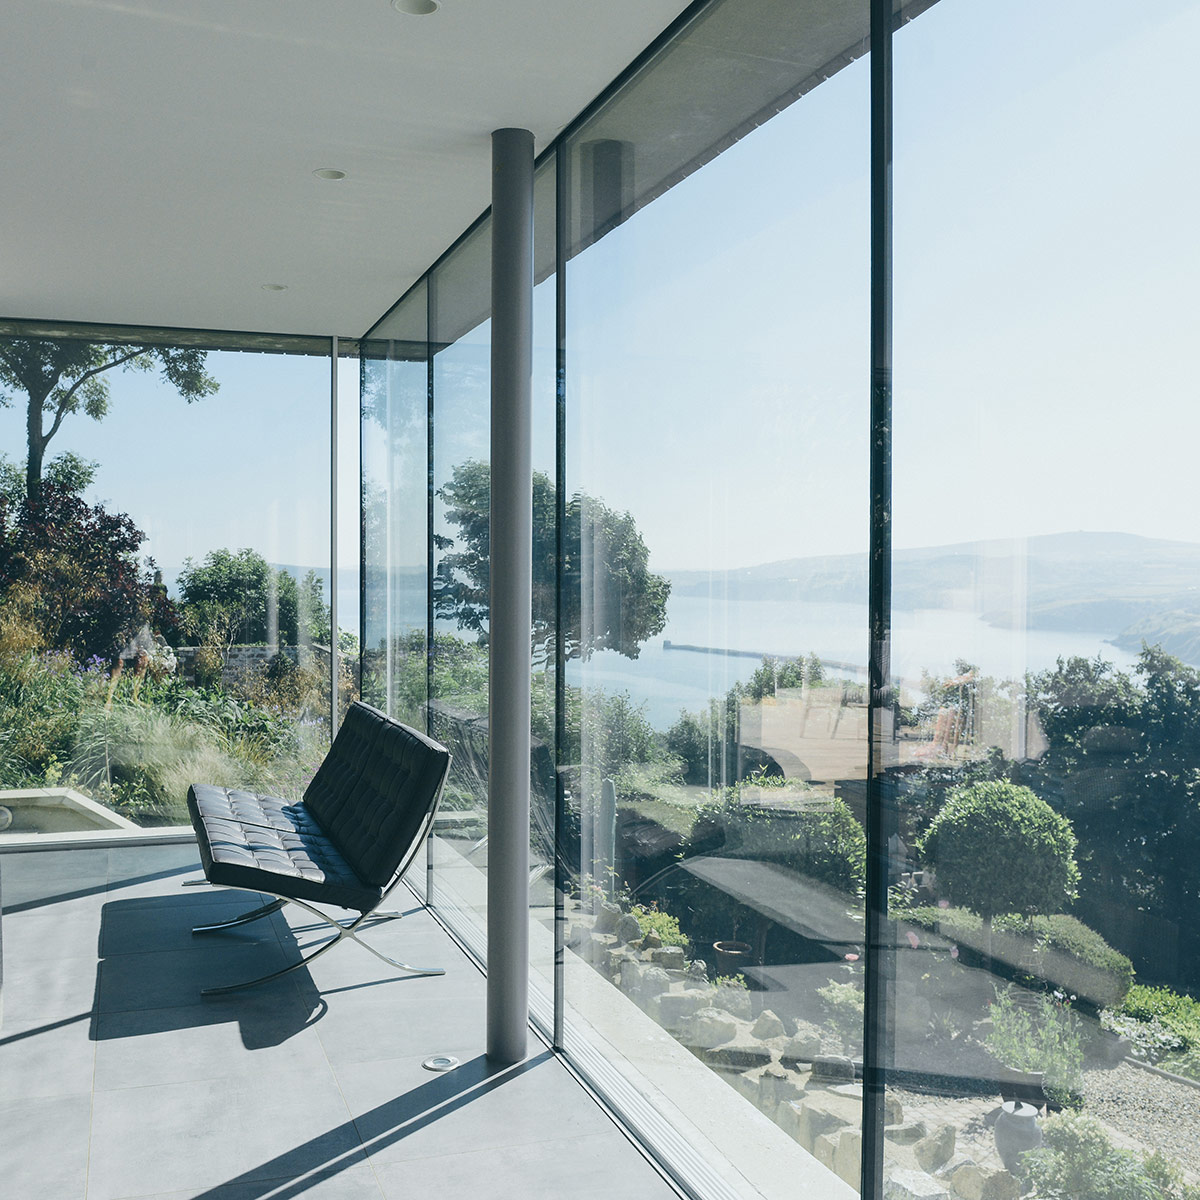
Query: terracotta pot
point(732, 957)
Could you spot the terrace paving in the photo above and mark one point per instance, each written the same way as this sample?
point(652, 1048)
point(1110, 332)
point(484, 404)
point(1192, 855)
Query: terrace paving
point(119, 1081)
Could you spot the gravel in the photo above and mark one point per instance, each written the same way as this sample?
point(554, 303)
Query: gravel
point(1159, 1113)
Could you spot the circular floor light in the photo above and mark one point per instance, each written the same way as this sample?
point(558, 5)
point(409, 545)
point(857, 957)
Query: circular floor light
point(416, 8)
point(440, 1062)
point(274, 287)
point(329, 173)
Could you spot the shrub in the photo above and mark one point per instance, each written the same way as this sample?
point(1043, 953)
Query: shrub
point(662, 923)
point(826, 844)
point(1166, 1027)
point(999, 848)
point(844, 1005)
point(1180, 1014)
point(1078, 1162)
point(41, 696)
point(1045, 1036)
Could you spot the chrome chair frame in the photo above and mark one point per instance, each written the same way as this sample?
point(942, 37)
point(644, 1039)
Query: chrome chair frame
point(346, 928)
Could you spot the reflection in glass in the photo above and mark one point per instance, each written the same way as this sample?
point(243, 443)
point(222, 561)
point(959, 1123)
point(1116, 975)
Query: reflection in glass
point(1044, 873)
point(717, 710)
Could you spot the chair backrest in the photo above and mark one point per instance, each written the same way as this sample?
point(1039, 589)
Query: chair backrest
point(376, 792)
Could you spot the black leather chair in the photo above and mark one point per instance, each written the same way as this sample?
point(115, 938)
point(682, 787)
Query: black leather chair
point(347, 843)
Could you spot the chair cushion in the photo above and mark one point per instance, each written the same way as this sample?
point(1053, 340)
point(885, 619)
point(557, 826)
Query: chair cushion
point(260, 842)
point(374, 791)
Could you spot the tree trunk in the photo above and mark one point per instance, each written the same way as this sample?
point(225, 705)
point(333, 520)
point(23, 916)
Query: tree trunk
point(37, 447)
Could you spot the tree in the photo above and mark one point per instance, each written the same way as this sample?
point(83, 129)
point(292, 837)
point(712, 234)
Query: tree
point(239, 597)
point(626, 601)
point(1124, 765)
point(61, 377)
point(999, 848)
point(69, 571)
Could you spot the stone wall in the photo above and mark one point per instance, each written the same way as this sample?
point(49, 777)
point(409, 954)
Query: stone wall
point(242, 660)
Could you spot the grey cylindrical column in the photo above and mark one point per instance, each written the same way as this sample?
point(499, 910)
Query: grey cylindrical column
point(510, 599)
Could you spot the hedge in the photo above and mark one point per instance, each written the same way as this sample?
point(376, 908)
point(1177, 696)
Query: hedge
point(1060, 949)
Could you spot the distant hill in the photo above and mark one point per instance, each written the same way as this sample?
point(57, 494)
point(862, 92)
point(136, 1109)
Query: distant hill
point(1126, 587)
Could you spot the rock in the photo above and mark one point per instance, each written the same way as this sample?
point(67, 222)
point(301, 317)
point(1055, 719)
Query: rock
point(847, 1158)
point(627, 929)
point(971, 1182)
point(913, 1185)
point(733, 999)
point(768, 1026)
point(952, 1164)
point(652, 983)
point(711, 1027)
point(935, 1149)
point(669, 957)
point(652, 940)
point(822, 1112)
point(832, 1067)
point(742, 1054)
point(824, 1149)
point(802, 1048)
point(776, 1085)
point(674, 1009)
point(906, 1134)
point(607, 917)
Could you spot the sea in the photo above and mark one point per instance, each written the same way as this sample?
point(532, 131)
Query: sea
point(731, 638)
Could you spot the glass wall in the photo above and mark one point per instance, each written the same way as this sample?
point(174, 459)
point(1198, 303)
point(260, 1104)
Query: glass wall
point(394, 441)
point(165, 573)
point(1043, 870)
point(716, 342)
point(714, 781)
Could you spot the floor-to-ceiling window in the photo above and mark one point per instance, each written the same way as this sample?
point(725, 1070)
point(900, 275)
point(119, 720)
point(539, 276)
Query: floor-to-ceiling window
point(726, 781)
point(1044, 574)
point(165, 571)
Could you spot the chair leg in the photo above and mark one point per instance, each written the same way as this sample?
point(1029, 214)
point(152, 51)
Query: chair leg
point(343, 931)
point(245, 918)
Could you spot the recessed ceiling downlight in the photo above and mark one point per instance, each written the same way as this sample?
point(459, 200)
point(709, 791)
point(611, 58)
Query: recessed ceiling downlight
point(416, 8)
point(329, 173)
point(274, 287)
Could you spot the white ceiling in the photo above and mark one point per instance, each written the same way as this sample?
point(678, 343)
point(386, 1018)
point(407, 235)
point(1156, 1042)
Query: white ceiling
point(157, 155)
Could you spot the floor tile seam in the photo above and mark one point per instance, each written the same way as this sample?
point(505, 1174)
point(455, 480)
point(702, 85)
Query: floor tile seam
point(337, 1082)
point(511, 1143)
point(87, 1162)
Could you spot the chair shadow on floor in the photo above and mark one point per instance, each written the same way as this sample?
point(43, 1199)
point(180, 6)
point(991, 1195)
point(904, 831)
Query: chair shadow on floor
point(152, 970)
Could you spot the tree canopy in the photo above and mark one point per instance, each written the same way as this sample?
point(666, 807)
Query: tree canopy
point(626, 601)
point(60, 377)
point(1000, 848)
point(238, 597)
point(69, 573)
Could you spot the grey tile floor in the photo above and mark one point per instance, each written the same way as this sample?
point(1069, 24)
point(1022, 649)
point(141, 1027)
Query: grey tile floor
point(119, 1081)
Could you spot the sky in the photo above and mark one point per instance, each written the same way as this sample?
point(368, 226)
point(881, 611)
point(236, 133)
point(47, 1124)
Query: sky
point(246, 467)
point(1046, 174)
point(1045, 177)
